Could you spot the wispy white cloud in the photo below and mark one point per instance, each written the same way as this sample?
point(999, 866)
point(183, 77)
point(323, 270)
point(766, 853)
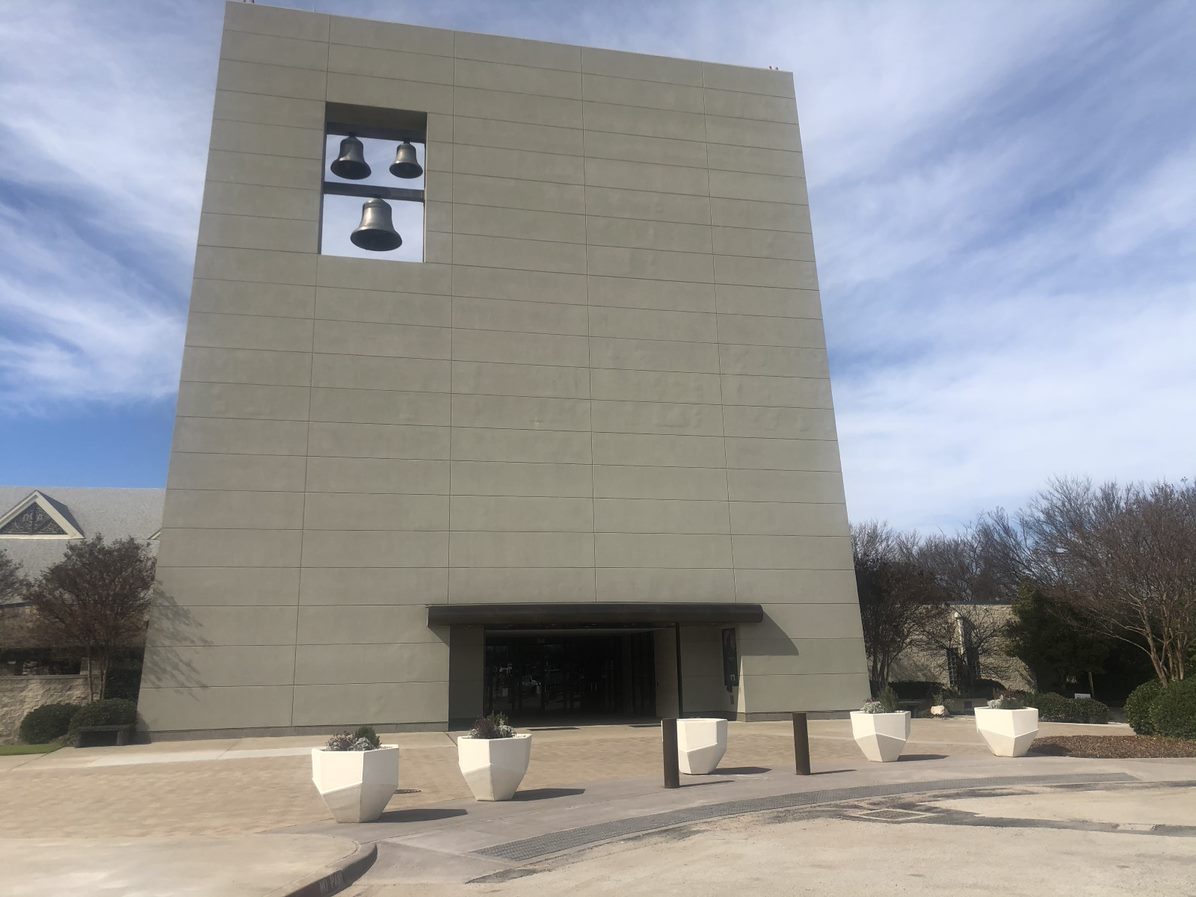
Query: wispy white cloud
point(90, 330)
point(1009, 274)
point(102, 142)
point(108, 107)
point(1004, 199)
point(1161, 204)
point(947, 434)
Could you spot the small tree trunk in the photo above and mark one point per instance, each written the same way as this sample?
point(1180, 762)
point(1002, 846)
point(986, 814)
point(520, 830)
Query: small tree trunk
point(1091, 687)
point(91, 691)
point(878, 674)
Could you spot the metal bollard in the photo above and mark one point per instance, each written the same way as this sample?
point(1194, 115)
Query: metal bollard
point(672, 768)
point(801, 744)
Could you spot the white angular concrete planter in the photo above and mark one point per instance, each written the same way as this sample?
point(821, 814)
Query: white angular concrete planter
point(701, 744)
point(356, 785)
point(1008, 733)
point(494, 767)
point(881, 736)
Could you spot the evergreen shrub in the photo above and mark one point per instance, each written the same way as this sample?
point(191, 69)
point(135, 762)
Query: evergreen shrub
point(1138, 704)
point(47, 723)
point(109, 712)
point(1055, 708)
point(916, 689)
point(1173, 712)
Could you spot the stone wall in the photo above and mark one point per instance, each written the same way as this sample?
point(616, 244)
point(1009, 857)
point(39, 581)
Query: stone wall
point(20, 694)
point(924, 665)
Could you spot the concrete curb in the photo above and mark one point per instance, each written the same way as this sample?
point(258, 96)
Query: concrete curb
point(337, 876)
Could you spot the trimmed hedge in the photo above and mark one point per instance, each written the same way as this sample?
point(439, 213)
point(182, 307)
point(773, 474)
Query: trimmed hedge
point(917, 689)
point(1095, 711)
point(1173, 713)
point(47, 723)
point(1055, 708)
point(109, 712)
point(1138, 704)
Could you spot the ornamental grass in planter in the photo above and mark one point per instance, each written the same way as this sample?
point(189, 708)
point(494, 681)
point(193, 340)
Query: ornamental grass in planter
point(493, 758)
point(880, 729)
point(355, 774)
point(1007, 726)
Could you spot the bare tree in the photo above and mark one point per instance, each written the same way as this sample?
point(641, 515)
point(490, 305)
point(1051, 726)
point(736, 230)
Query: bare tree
point(1124, 557)
point(1009, 554)
point(95, 598)
point(12, 583)
point(13, 587)
point(899, 597)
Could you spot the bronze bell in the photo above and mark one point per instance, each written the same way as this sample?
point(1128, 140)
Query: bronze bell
point(406, 165)
point(376, 232)
point(351, 163)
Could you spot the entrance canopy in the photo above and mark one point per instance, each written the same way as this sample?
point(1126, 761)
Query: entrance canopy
point(591, 613)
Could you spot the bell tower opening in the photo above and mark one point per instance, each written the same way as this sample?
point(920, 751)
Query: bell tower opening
point(374, 182)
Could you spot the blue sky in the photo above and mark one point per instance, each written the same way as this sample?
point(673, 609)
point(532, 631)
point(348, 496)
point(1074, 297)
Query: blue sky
point(1003, 195)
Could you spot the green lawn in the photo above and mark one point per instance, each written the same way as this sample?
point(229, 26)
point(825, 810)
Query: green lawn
point(10, 750)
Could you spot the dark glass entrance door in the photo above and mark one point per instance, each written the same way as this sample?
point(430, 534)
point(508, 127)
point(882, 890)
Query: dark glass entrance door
point(545, 674)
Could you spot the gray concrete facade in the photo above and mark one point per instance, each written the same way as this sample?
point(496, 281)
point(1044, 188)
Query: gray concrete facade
point(607, 382)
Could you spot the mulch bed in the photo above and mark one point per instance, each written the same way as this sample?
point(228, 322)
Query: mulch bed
point(1113, 746)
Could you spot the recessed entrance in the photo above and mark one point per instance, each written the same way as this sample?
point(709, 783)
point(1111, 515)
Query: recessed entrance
point(569, 674)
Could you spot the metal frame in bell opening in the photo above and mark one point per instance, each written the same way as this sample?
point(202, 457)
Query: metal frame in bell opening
point(372, 191)
point(385, 238)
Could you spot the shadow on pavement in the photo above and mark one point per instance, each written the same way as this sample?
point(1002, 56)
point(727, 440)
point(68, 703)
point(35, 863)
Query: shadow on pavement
point(547, 793)
point(905, 757)
point(418, 814)
point(742, 770)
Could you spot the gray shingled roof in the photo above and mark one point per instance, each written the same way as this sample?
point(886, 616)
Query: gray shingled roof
point(115, 513)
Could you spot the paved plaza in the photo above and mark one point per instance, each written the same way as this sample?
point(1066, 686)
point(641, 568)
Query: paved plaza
point(240, 816)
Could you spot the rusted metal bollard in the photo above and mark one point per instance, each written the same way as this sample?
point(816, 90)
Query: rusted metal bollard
point(672, 769)
point(801, 744)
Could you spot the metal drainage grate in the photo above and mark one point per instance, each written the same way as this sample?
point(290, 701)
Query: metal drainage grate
point(571, 839)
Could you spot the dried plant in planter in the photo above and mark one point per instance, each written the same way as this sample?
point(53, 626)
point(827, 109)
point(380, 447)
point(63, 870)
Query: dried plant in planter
point(1007, 701)
point(364, 739)
point(886, 703)
point(355, 774)
point(493, 758)
point(493, 726)
point(880, 728)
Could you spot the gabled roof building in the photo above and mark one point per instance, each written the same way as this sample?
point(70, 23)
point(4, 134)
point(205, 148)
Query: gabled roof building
point(36, 524)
